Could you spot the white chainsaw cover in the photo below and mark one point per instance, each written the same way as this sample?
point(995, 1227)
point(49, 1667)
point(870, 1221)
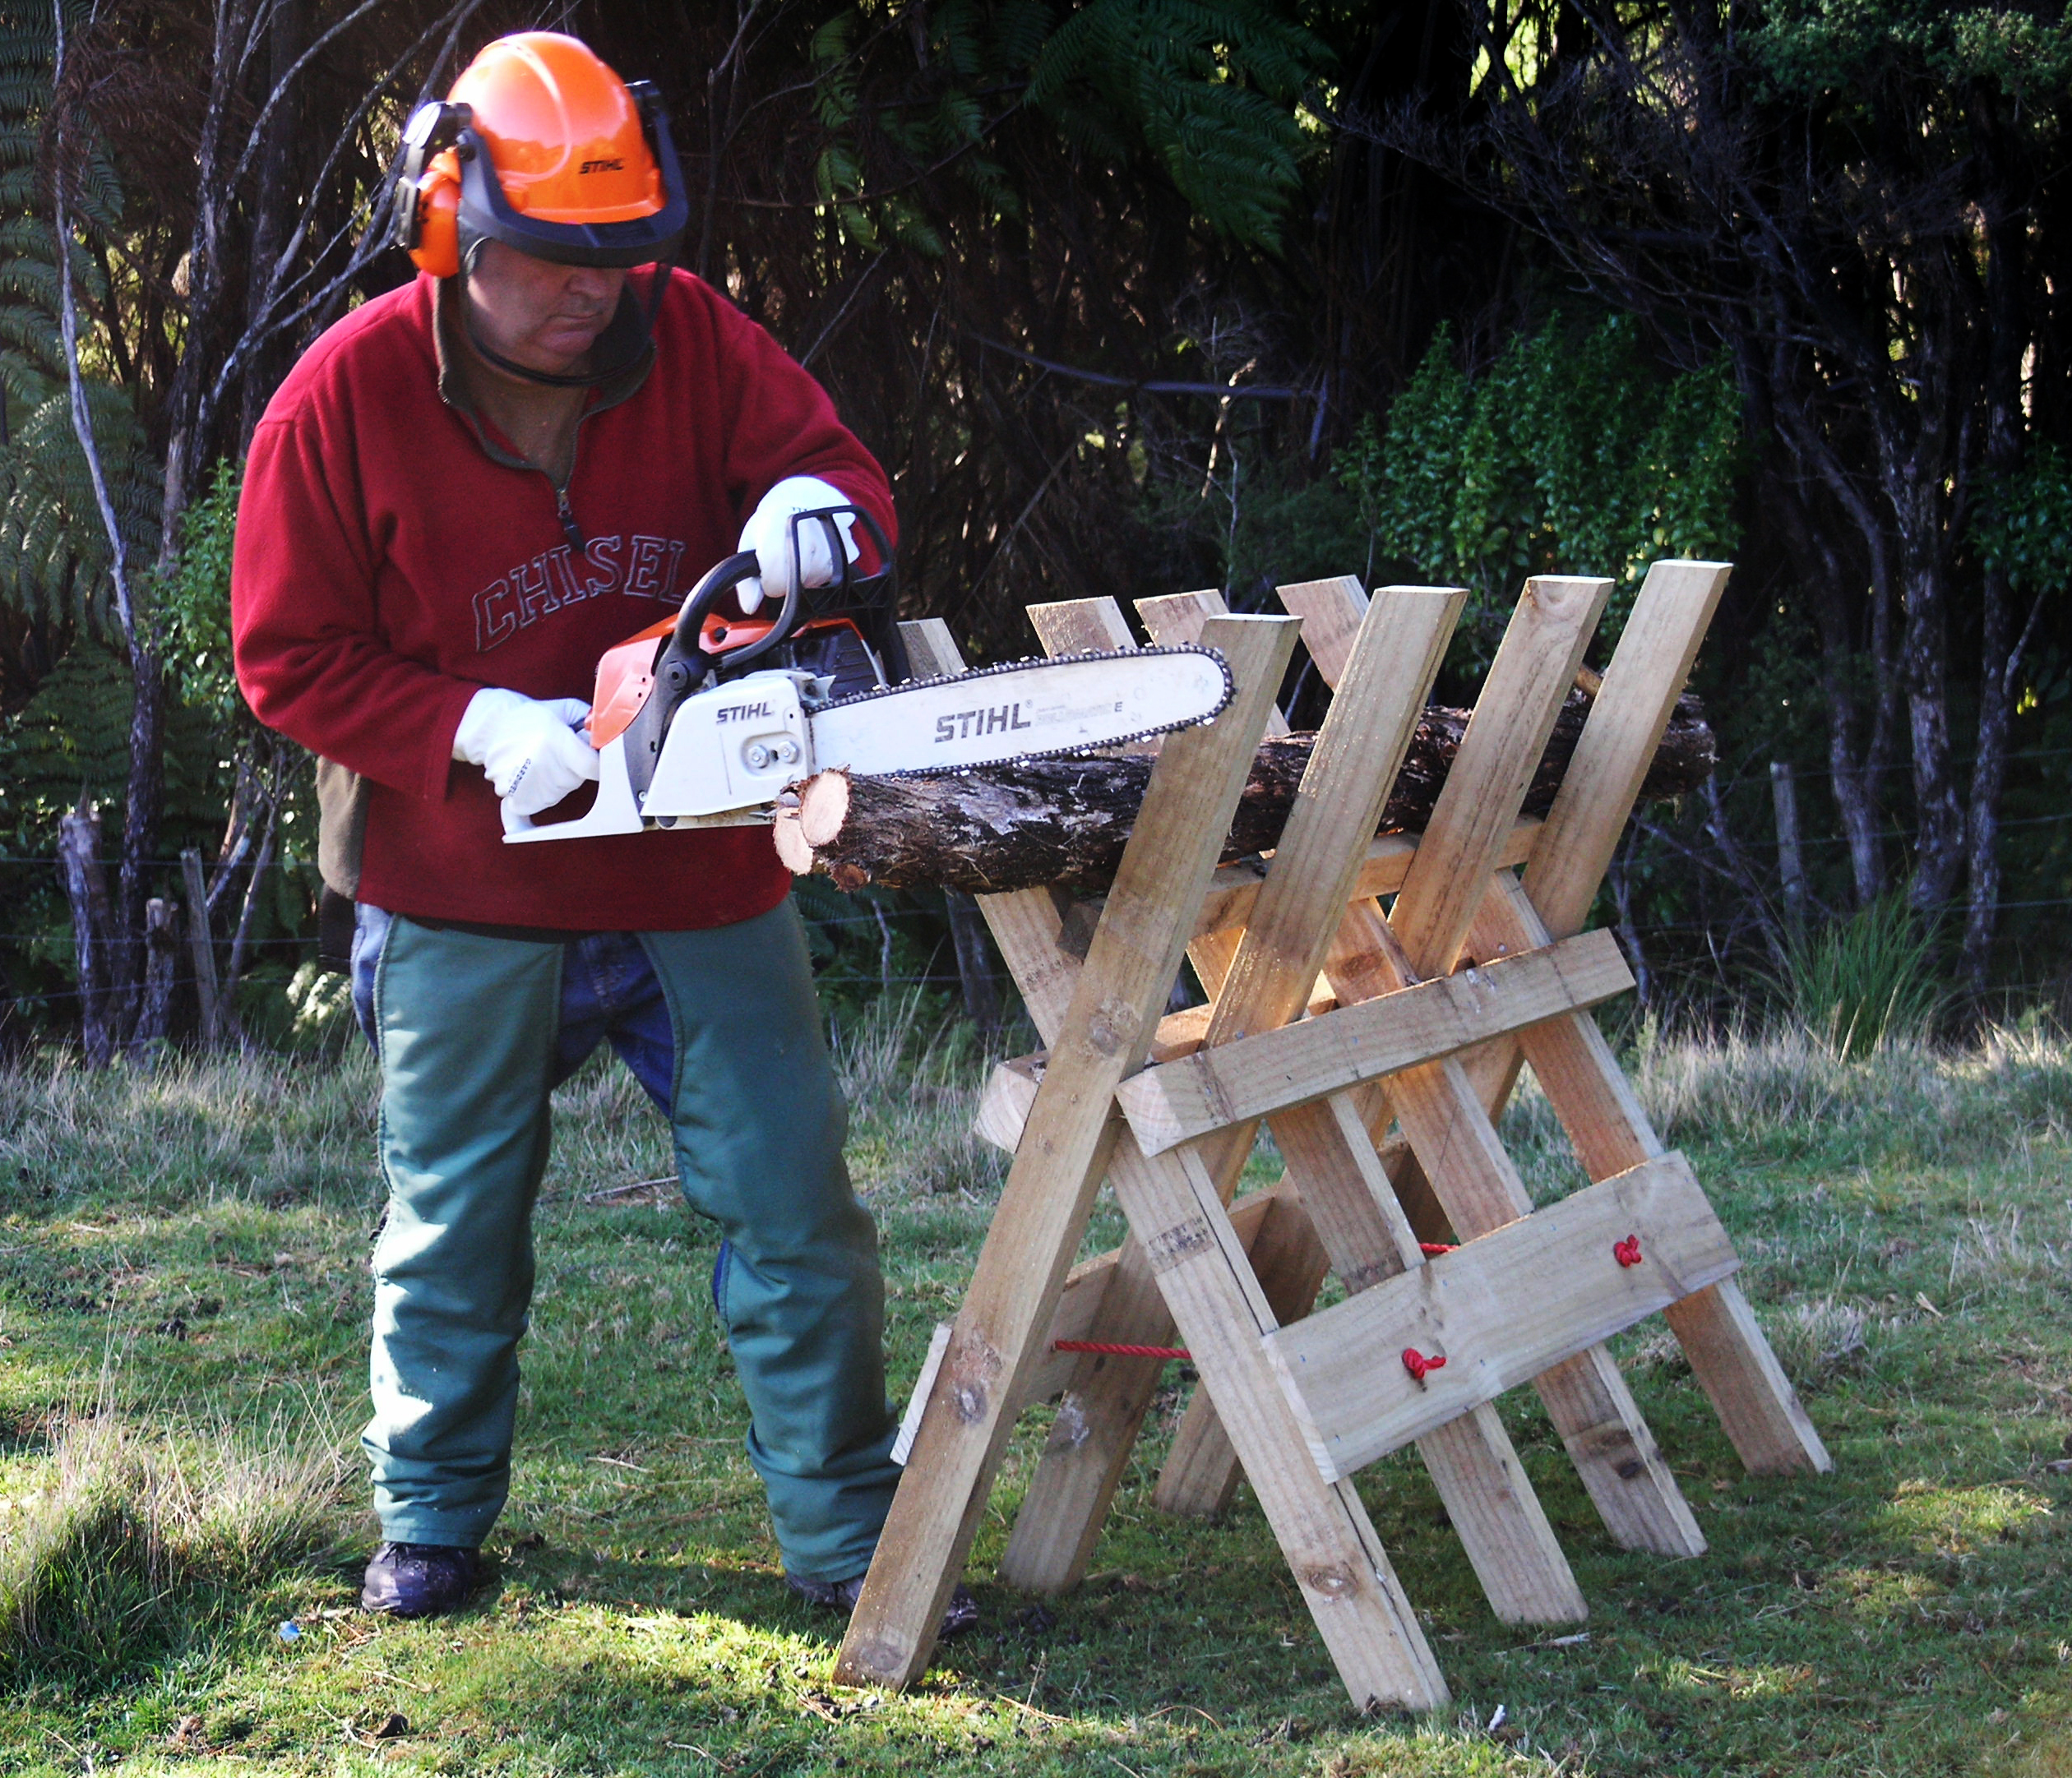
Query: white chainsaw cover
point(731, 748)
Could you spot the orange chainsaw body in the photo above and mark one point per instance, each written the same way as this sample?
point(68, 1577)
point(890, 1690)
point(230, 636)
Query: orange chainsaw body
point(626, 674)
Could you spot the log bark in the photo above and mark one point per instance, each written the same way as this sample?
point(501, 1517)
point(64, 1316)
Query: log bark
point(1065, 822)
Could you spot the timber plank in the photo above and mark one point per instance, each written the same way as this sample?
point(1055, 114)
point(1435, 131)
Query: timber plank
point(1648, 670)
point(1104, 1397)
point(1345, 1575)
point(1600, 1423)
point(1068, 1497)
point(1499, 1310)
point(1527, 693)
point(1494, 1511)
point(1332, 611)
point(1234, 889)
point(1401, 634)
point(1172, 618)
point(1444, 1119)
point(1044, 1208)
point(1758, 1407)
point(1535, 666)
point(1200, 1474)
point(1085, 1313)
point(1184, 1100)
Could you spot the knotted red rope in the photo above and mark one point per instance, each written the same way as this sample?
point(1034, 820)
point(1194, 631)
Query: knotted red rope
point(1417, 1364)
point(1627, 1252)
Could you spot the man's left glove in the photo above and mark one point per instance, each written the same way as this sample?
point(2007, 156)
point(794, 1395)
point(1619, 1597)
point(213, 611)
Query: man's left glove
point(528, 746)
point(769, 533)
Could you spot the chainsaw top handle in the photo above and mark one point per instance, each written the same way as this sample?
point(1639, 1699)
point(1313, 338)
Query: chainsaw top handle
point(684, 644)
point(682, 662)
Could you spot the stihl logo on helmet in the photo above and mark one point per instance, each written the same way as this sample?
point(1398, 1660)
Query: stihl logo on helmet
point(501, 158)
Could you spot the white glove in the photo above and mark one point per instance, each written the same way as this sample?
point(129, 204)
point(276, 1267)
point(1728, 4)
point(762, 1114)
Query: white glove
point(527, 747)
point(769, 533)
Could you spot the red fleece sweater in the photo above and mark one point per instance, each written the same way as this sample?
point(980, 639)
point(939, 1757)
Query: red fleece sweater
point(388, 566)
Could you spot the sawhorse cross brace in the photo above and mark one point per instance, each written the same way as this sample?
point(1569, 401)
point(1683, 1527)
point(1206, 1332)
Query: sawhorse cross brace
point(1335, 1024)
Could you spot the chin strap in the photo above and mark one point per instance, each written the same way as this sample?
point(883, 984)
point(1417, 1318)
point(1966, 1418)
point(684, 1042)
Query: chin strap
point(568, 379)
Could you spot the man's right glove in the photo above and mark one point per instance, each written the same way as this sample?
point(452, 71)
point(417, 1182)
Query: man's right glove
point(527, 747)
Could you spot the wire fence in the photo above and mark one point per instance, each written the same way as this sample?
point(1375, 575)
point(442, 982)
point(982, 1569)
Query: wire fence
point(915, 921)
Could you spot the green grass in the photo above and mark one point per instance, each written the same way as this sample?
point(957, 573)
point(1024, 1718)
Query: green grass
point(183, 1308)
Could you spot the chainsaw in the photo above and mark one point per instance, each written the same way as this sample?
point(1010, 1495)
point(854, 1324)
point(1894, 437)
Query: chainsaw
point(705, 718)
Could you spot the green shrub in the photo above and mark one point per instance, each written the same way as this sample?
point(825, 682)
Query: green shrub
point(1575, 452)
point(1855, 985)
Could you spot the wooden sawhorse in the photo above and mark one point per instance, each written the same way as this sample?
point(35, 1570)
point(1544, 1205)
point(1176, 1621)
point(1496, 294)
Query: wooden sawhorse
point(1417, 1019)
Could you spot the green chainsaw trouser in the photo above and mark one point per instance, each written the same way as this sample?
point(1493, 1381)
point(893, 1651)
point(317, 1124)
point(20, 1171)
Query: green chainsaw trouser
point(473, 1033)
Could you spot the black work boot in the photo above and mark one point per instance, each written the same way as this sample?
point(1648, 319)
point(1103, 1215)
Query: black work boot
point(419, 1580)
point(959, 1615)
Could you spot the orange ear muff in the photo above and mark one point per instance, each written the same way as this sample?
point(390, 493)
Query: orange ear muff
point(436, 247)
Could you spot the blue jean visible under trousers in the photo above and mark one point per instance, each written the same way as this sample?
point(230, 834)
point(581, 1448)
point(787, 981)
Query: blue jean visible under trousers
point(721, 1028)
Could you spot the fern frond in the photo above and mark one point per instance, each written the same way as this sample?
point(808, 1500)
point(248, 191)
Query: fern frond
point(1206, 87)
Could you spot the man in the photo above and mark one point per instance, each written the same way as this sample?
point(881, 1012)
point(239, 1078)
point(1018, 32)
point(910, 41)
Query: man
point(466, 490)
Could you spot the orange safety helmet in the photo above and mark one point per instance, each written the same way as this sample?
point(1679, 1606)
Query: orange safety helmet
point(541, 146)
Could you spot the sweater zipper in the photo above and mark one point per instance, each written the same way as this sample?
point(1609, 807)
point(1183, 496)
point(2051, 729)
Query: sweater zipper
point(562, 510)
point(570, 529)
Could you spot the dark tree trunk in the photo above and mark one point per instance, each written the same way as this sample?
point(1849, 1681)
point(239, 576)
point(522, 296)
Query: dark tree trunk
point(1859, 740)
point(1791, 861)
point(142, 800)
point(161, 971)
point(276, 200)
point(1999, 648)
point(975, 962)
point(86, 891)
point(248, 909)
point(189, 405)
point(1938, 814)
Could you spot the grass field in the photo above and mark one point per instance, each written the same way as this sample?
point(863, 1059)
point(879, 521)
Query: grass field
point(183, 1301)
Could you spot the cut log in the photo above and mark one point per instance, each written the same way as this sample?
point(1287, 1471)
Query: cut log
point(1065, 822)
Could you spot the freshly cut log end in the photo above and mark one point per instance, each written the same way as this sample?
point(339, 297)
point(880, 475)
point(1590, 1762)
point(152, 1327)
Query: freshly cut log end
point(1065, 822)
point(823, 806)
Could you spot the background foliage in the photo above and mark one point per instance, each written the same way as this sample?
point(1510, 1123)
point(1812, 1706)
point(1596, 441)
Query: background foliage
point(1136, 295)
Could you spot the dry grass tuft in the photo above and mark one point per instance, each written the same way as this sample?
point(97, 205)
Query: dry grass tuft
point(115, 1557)
point(913, 1087)
point(1782, 1088)
point(1820, 1337)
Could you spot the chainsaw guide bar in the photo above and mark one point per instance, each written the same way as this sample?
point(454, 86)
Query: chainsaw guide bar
point(1045, 666)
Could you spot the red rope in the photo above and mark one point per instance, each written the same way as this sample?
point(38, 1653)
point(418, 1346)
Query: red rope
point(1417, 1364)
point(1627, 1252)
point(1114, 1349)
point(1434, 1248)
